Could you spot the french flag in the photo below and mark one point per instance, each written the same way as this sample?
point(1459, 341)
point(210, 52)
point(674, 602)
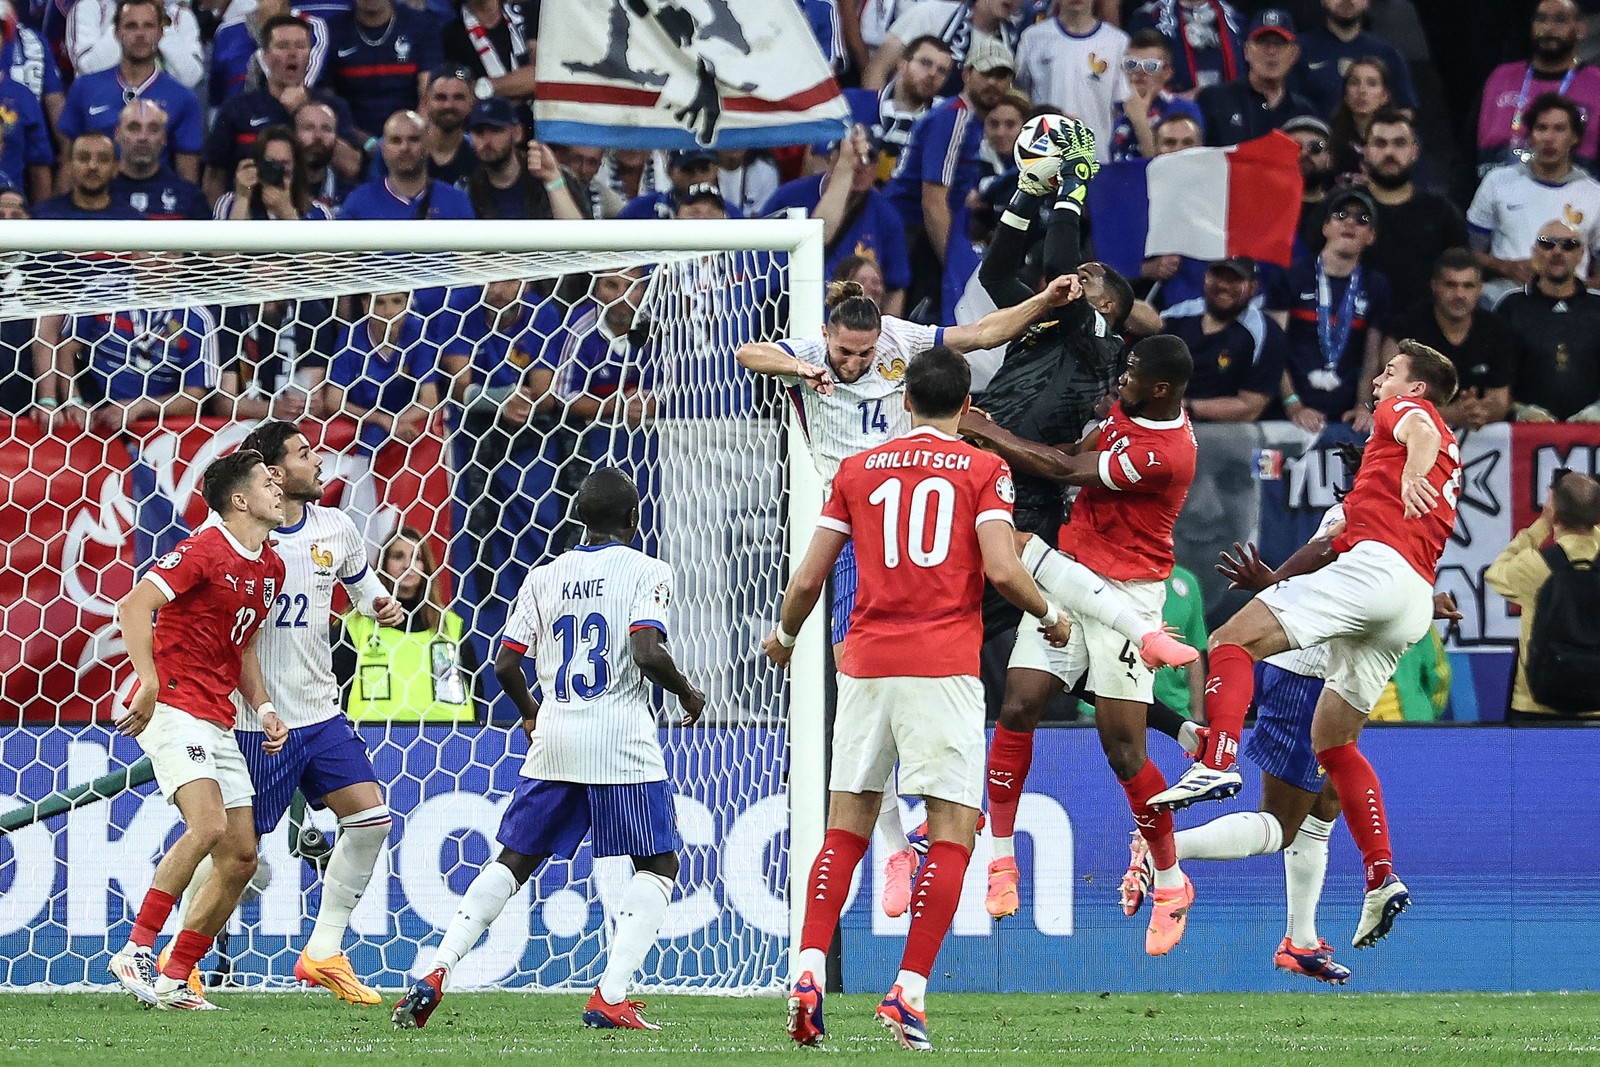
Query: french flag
point(1205, 203)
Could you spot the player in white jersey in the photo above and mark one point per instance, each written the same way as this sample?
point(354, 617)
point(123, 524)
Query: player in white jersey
point(324, 758)
point(594, 765)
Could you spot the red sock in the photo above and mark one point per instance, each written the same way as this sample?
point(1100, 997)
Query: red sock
point(1361, 799)
point(933, 905)
point(152, 917)
point(1154, 826)
point(1229, 689)
point(187, 951)
point(830, 886)
point(1010, 757)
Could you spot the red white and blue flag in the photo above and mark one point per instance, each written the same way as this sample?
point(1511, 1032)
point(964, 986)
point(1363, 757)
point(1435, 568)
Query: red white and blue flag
point(1205, 203)
point(675, 74)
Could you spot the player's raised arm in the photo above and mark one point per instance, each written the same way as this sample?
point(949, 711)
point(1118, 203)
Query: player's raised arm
point(804, 588)
point(1058, 463)
point(1008, 323)
point(1011, 580)
point(764, 357)
point(650, 653)
point(1422, 440)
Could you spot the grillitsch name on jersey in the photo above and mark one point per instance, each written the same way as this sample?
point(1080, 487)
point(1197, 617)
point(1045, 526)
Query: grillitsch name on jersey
point(918, 457)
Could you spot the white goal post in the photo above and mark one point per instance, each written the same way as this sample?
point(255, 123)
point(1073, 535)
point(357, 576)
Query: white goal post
point(732, 500)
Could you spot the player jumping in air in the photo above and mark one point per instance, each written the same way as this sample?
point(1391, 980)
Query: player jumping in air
point(323, 758)
point(594, 764)
point(930, 517)
point(1368, 606)
point(210, 597)
point(1134, 471)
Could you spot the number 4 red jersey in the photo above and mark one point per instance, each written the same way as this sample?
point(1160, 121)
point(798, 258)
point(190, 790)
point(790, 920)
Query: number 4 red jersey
point(218, 597)
point(913, 506)
point(1373, 510)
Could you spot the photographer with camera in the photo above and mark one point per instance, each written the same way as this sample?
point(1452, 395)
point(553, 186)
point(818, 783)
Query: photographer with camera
point(271, 182)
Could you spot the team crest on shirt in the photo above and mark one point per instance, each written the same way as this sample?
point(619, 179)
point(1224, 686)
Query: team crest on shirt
point(1004, 489)
point(169, 561)
point(322, 557)
point(269, 590)
point(894, 370)
point(1098, 65)
point(662, 595)
point(139, 201)
point(196, 753)
point(1572, 215)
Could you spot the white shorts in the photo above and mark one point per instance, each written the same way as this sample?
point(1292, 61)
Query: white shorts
point(1115, 670)
point(1368, 606)
point(933, 726)
point(184, 749)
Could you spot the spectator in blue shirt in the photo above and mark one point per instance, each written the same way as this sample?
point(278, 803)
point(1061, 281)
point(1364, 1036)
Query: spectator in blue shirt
point(95, 101)
point(1327, 51)
point(858, 220)
point(285, 55)
point(235, 48)
point(271, 184)
point(143, 183)
point(316, 135)
point(92, 163)
point(890, 113)
point(407, 192)
point(686, 167)
point(143, 363)
point(447, 105)
point(1147, 65)
point(27, 59)
point(383, 374)
point(1239, 354)
point(380, 55)
point(25, 150)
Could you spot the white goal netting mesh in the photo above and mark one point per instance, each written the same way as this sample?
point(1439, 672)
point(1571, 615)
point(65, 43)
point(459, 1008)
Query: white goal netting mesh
point(457, 401)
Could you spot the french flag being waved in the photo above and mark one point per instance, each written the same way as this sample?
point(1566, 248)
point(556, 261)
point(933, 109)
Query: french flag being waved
point(1205, 203)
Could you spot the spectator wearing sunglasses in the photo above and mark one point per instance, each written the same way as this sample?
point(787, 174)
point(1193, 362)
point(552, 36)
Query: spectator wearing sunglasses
point(1147, 66)
point(1516, 199)
point(1203, 35)
point(1316, 175)
point(1558, 375)
point(1333, 308)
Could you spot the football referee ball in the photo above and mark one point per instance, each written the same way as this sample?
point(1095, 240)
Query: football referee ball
point(1034, 140)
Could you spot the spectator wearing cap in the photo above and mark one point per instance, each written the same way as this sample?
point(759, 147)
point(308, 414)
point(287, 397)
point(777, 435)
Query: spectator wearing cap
point(962, 24)
point(888, 114)
point(1334, 309)
point(858, 220)
point(938, 169)
point(582, 165)
point(236, 51)
point(379, 53)
point(497, 40)
point(1558, 320)
point(505, 186)
point(96, 99)
point(91, 164)
point(1415, 226)
point(686, 167)
point(406, 192)
point(1073, 63)
point(25, 149)
point(285, 56)
point(99, 37)
point(1515, 200)
point(1261, 101)
point(1327, 50)
point(1147, 67)
point(447, 104)
point(316, 134)
point(1503, 125)
point(1316, 176)
point(1202, 37)
point(143, 182)
point(1480, 344)
point(1239, 354)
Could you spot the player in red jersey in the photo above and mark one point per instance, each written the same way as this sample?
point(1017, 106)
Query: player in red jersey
point(1370, 603)
point(209, 597)
point(1135, 470)
point(930, 517)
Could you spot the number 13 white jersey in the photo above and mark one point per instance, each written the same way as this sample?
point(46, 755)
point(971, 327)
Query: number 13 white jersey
point(574, 616)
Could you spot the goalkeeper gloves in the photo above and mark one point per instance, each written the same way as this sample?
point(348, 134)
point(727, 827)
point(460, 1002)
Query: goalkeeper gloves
point(1074, 144)
point(1040, 177)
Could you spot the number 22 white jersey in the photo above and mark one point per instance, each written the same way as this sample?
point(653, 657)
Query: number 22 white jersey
point(574, 616)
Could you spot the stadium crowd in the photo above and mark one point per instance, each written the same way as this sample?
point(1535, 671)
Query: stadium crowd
point(1473, 237)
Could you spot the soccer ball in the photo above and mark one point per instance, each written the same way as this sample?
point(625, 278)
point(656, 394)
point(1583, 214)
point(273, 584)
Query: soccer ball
point(1036, 138)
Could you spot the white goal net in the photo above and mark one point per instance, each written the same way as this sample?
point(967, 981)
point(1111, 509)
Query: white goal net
point(458, 387)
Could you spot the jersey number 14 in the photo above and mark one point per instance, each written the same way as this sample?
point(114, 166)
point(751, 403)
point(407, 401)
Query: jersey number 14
point(928, 517)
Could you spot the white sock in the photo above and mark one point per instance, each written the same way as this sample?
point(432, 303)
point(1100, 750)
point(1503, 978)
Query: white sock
point(1171, 878)
point(1082, 592)
point(1003, 848)
point(889, 822)
point(1231, 837)
point(1305, 862)
point(485, 899)
point(201, 873)
point(913, 988)
point(644, 906)
point(814, 960)
point(361, 840)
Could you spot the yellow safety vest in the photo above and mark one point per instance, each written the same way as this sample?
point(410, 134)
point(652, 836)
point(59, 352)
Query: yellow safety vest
point(408, 676)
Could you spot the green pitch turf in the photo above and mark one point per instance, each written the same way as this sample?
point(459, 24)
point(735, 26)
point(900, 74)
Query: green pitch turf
point(1227, 1030)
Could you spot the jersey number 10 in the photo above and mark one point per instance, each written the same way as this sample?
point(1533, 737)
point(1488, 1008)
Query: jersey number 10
point(932, 501)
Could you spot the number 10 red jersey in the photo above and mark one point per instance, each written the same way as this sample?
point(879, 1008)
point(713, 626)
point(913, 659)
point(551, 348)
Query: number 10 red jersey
point(219, 596)
point(913, 506)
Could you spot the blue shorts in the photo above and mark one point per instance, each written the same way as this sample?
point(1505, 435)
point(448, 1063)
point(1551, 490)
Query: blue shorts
point(316, 760)
point(551, 818)
point(844, 591)
point(1280, 743)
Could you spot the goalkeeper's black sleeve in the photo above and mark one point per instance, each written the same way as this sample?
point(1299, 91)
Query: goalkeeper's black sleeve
point(1063, 242)
point(1000, 273)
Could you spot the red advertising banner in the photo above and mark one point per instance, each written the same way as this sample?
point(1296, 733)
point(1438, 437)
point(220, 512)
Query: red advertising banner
point(83, 514)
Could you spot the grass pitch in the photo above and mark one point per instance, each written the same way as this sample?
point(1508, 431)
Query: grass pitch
point(1227, 1030)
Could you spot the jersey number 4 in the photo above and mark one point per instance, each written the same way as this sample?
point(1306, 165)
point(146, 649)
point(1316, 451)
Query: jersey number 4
point(592, 634)
point(933, 502)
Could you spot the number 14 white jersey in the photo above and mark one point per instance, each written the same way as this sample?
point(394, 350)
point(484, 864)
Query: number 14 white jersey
point(574, 616)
